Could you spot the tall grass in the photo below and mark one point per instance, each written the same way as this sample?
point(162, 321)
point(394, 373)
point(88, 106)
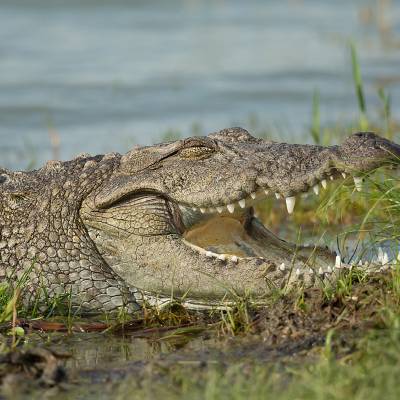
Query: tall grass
point(358, 83)
point(316, 119)
point(368, 371)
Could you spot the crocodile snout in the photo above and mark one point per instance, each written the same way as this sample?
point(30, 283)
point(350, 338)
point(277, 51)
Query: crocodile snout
point(364, 151)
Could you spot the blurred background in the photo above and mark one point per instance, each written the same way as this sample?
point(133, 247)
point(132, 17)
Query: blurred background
point(98, 76)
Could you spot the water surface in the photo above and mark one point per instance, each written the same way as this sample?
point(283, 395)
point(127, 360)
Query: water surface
point(105, 75)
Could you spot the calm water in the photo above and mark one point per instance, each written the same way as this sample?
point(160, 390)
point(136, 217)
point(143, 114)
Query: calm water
point(107, 74)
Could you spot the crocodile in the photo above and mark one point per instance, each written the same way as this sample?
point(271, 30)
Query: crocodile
point(171, 220)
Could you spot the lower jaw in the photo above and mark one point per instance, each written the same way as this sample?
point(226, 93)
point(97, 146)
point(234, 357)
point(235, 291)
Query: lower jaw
point(246, 239)
point(226, 237)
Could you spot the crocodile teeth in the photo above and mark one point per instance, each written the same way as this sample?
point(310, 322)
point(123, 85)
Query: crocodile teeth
point(277, 195)
point(234, 259)
point(344, 175)
point(282, 267)
point(320, 271)
point(358, 183)
point(383, 257)
point(253, 195)
point(202, 210)
point(316, 189)
point(221, 257)
point(209, 253)
point(220, 209)
point(231, 208)
point(338, 262)
point(323, 183)
point(331, 178)
point(242, 203)
point(194, 208)
point(329, 270)
point(380, 254)
point(266, 191)
point(290, 202)
point(298, 272)
point(311, 271)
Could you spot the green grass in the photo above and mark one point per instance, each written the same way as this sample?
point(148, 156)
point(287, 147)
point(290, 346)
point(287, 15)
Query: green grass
point(359, 315)
point(356, 362)
point(356, 367)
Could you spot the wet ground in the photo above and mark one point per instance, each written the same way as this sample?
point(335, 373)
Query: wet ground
point(107, 360)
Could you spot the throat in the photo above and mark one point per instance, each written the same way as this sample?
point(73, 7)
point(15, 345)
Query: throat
point(228, 237)
point(223, 235)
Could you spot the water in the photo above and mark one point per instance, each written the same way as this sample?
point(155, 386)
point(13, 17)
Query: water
point(103, 366)
point(105, 75)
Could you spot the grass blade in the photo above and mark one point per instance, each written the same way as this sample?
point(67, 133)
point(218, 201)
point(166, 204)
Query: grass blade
point(358, 83)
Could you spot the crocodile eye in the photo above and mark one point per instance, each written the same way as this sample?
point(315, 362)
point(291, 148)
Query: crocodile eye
point(195, 152)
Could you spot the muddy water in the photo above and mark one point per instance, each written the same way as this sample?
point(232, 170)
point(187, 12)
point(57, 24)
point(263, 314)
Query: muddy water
point(287, 333)
point(104, 365)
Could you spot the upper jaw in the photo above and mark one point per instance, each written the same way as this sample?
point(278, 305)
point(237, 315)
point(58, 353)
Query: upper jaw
point(297, 169)
point(192, 212)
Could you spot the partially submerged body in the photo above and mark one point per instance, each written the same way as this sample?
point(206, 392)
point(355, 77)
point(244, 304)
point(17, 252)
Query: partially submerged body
point(170, 219)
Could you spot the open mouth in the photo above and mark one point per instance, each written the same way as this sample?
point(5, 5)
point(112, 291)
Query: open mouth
point(231, 231)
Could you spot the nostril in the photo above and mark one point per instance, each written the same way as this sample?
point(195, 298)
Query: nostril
point(359, 134)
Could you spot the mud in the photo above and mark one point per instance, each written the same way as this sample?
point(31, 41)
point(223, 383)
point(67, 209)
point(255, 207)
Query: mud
point(90, 359)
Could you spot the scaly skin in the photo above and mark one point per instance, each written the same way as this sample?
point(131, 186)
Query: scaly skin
point(109, 230)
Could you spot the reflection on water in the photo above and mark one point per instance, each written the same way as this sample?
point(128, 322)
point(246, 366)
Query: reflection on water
point(106, 75)
point(98, 350)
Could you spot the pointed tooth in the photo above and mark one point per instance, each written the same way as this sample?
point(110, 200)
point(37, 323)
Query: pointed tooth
point(202, 210)
point(266, 191)
point(209, 253)
point(221, 257)
point(320, 271)
point(242, 203)
point(338, 262)
point(311, 271)
point(231, 208)
point(358, 183)
point(323, 183)
point(253, 195)
point(331, 178)
point(290, 202)
point(298, 272)
point(344, 175)
point(329, 270)
point(277, 195)
point(385, 259)
point(234, 259)
point(282, 267)
point(360, 264)
point(316, 189)
point(220, 209)
point(194, 208)
point(380, 255)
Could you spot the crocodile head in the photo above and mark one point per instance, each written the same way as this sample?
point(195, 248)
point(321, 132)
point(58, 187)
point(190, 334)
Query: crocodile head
point(178, 217)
